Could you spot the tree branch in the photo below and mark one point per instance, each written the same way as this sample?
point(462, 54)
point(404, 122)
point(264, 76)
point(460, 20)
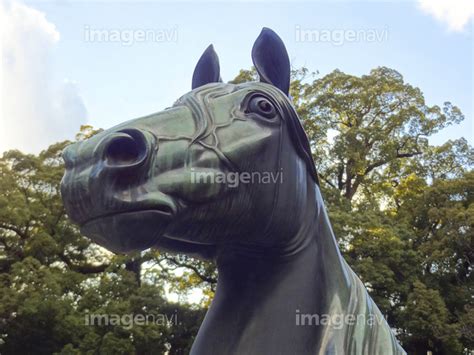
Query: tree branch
point(83, 268)
point(204, 278)
point(17, 230)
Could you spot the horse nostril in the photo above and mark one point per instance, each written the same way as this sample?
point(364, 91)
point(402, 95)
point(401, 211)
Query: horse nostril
point(125, 148)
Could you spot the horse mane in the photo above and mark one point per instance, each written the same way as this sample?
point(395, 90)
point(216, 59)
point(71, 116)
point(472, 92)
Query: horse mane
point(295, 128)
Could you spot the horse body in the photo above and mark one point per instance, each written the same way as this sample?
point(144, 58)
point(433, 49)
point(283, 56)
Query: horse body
point(283, 285)
point(275, 301)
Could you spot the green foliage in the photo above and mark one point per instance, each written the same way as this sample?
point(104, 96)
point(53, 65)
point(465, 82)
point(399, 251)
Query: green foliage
point(426, 315)
point(402, 210)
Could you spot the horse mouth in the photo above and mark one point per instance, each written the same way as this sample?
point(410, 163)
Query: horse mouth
point(125, 231)
point(165, 211)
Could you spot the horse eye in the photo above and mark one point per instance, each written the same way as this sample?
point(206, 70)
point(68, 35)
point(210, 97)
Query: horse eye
point(262, 106)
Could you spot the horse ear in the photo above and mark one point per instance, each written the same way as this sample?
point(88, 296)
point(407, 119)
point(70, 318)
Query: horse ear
point(207, 69)
point(270, 58)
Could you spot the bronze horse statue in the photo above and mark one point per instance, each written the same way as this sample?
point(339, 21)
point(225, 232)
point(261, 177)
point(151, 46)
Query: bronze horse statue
point(283, 286)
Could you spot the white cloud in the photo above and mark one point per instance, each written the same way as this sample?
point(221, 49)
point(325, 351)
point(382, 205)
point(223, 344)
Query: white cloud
point(456, 14)
point(36, 109)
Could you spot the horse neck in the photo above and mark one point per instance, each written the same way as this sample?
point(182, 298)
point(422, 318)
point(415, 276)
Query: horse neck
point(260, 294)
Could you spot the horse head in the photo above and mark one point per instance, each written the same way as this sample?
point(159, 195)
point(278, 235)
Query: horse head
point(222, 166)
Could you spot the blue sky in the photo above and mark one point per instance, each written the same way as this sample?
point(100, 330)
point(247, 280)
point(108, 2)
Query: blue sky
point(106, 82)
